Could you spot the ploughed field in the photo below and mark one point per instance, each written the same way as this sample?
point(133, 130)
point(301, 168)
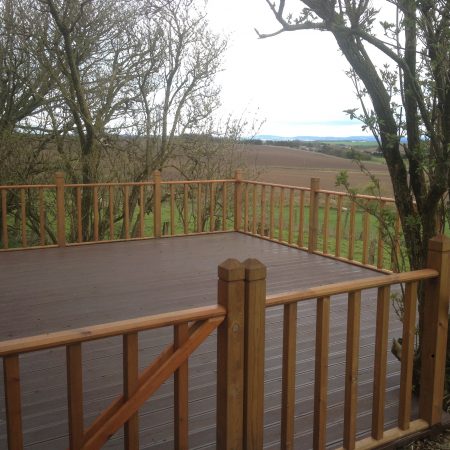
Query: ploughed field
point(295, 167)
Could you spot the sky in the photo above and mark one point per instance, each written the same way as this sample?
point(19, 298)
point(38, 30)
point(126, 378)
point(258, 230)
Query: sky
point(294, 82)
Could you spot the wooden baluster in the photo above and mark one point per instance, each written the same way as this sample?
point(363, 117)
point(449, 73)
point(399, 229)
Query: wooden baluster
point(365, 255)
point(186, 209)
point(301, 219)
point(326, 216)
point(254, 210)
point(75, 395)
point(407, 360)
point(263, 210)
point(280, 216)
point(172, 209)
point(13, 404)
point(246, 208)
point(111, 212)
point(395, 267)
point(351, 369)
point(130, 384)
point(238, 200)
point(379, 372)
point(95, 194)
point(288, 377)
point(4, 220)
point(23, 217)
point(230, 357)
point(199, 209)
point(351, 233)
point(79, 216)
point(321, 372)
point(338, 226)
point(434, 336)
point(255, 314)
point(224, 207)
point(313, 214)
point(126, 212)
point(181, 392)
point(291, 215)
point(157, 203)
point(41, 216)
point(380, 253)
point(272, 208)
point(60, 210)
point(212, 208)
point(141, 211)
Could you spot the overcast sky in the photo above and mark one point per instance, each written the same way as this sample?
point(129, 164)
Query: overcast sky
point(295, 81)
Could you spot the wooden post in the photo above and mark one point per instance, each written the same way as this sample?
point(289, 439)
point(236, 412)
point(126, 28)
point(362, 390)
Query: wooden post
point(237, 200)
point(13, 404)
point(434, 339)
point(60, 210)
point(157, 204)
point(313, 214)
point(230, 357)
point(255, 313)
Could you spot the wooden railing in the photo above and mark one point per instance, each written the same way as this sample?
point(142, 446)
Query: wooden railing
point(359, 228)
point(62, 213)
point(240, 319)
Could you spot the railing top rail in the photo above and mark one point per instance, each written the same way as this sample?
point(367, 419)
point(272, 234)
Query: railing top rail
point(90, 333)
point(28, 186)
point(198, 181)
point(117, 183)
point(363, 196)
point(285, 186)
point(349, 286)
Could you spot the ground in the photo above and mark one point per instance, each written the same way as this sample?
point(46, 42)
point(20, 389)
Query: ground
point(296, 167)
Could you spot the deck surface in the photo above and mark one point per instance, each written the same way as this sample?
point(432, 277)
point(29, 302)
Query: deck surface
point(56, 289)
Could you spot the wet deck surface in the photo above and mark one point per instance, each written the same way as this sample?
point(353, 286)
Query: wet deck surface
point(56, 289)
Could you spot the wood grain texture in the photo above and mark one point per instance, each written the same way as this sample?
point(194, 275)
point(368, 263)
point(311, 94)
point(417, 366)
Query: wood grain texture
point(13, 403)
point(351, 369)
point(288, 376)
point(407, 361)
point(380, 365)
point(321, 373)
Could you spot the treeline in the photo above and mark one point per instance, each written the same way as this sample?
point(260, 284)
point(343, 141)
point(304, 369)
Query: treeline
point(101, 88)
point(108, 90)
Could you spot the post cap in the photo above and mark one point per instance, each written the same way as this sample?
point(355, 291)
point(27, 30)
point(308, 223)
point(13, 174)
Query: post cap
point(231, 270)
point(254, 270)
point(238, 174)
point(439, 243)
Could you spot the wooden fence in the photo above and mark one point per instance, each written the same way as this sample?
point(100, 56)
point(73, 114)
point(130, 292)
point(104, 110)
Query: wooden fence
point(240, 319)
point(357, 228)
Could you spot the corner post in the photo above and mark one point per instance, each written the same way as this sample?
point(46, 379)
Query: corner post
point(60, 210)
point(238, 200)
point(230, 357)
point(434, 339)
point(157, 204)
point(255, 313)
point(313, 214)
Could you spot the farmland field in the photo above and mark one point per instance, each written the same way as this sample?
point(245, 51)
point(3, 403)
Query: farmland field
point(290, 166)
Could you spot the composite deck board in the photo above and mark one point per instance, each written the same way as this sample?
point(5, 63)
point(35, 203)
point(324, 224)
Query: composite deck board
point(57, 289)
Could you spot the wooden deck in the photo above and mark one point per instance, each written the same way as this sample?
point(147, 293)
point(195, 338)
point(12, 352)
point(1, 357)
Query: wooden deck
point(56, 289)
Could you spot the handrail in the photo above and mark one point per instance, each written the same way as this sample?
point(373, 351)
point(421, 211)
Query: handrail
point(90, 333)
point(363, 196)
point(284, 186)
point(28, 186)
point(349, 286)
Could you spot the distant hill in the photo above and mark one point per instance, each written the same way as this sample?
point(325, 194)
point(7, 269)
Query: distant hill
point(269, 137)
